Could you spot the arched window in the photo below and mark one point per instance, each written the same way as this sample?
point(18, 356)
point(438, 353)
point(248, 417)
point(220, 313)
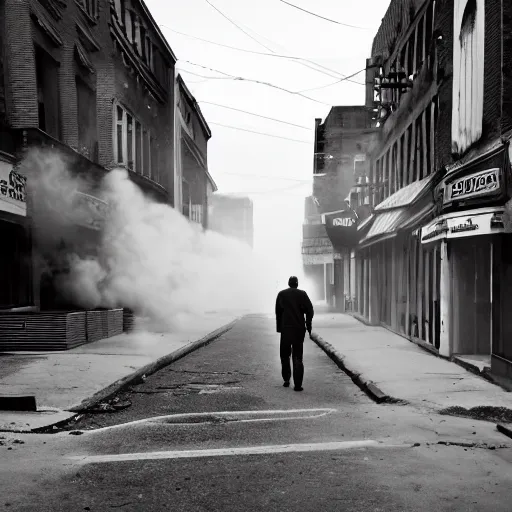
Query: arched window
point(468, 73)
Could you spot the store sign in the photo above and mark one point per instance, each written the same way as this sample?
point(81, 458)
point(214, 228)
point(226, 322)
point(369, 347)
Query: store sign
point(461, 226)
point(474, 185)
point(434, 231)
point(341, 228)
point(343, 222)
point(13, 196)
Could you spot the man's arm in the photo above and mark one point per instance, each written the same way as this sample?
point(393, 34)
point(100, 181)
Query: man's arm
point(279, 312)
point(308, 306)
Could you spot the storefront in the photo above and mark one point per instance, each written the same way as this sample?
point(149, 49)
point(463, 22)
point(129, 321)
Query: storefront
point(397, 278)
point(472, 234)
point(15, 249)
point(341, 227)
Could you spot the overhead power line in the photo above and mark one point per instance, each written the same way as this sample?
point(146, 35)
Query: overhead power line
point(242, 79)
point(327, 71)
point(256, 115)
point(334, 83)
point(260, 133)
point(237, 26)
point(321, 17)
point(264, 46)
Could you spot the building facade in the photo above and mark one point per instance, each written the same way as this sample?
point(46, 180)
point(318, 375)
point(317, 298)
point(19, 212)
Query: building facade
point(232, 216)
point(193, 185)
point(432, 260)
point(91, 81)
point(339, 202)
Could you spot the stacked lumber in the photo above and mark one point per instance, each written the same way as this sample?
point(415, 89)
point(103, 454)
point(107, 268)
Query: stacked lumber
point(42, 331)
point(115, 322)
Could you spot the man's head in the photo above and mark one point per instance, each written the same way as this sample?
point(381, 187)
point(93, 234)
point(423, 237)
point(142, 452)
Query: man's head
point(293, 282)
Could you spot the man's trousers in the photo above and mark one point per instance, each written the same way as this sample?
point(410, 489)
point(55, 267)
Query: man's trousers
point(292, 345)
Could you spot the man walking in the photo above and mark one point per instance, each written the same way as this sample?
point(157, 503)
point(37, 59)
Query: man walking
point(291, 306)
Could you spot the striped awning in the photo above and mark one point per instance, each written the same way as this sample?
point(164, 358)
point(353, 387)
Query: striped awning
point(386, 223)
point(405, 196)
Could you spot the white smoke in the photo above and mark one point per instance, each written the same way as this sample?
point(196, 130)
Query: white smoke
point(150, 257)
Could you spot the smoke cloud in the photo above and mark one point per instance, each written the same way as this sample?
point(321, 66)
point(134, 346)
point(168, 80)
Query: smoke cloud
point(147, 257)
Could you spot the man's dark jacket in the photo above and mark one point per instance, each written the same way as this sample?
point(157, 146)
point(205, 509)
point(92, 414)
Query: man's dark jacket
point(291, 306)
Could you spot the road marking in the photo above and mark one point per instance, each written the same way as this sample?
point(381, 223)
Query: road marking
point(225, 452)
point(224, 417)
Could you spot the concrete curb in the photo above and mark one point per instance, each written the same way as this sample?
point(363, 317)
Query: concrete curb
point(149, 369)
point(369, 387)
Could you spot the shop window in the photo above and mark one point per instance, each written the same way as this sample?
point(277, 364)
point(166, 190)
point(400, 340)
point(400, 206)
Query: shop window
point(468, 74)
point(87, 129)
point(47, 77)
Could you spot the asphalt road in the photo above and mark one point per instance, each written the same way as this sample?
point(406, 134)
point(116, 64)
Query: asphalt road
point(217, 431)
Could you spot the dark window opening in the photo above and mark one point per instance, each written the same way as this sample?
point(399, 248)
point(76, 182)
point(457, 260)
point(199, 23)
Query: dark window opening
point(47, 77)
point(87, 128)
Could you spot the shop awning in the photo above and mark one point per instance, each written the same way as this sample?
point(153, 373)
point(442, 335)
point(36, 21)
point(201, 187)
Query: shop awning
point(341, 227)
point(386, 224)
point(366, 222)
point(406, 195)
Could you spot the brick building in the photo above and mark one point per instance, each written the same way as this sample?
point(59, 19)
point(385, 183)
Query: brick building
point(93, 81)
point(339, 201)
point(193, 185)
point(433, 259)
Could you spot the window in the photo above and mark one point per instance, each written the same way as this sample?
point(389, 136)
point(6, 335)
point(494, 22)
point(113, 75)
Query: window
point(128, 24)
point(196, 213)
point(87, 129)
point(185, 192)
point(90, 7)
point(47, 77)
point(149, 52)
point(468, 75)
point(132, 143)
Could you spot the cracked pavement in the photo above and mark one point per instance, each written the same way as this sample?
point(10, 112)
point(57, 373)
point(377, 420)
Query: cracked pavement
point(217, 431)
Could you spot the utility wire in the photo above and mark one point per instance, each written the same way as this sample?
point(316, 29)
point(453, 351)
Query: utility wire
point(237, 26)
point(256, 115)
point(322, 17)
point(334, 83)
point(260, 43)
point(233, 77)
point(260, 133)
point(327, 71)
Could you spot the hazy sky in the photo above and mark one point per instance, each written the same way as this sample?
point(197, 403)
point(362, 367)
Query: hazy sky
point(263, 167)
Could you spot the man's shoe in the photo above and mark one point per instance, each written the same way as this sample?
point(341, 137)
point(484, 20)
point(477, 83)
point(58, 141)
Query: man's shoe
point(298, 388)
point(286, 384)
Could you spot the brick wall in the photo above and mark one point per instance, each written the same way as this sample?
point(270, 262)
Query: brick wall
point(2, 82)
point(21, 90)
point(344, 134)
point(444, 48)
point(110, 79)
point(394, 23)
point(492, 70)
point(507, 66)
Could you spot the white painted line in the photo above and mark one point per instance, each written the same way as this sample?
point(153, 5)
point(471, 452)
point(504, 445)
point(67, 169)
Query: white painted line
point(245, 416)
point(223, 452)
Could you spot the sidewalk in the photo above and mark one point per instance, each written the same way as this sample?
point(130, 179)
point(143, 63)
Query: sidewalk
point(394, 368)
point(63, 381)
